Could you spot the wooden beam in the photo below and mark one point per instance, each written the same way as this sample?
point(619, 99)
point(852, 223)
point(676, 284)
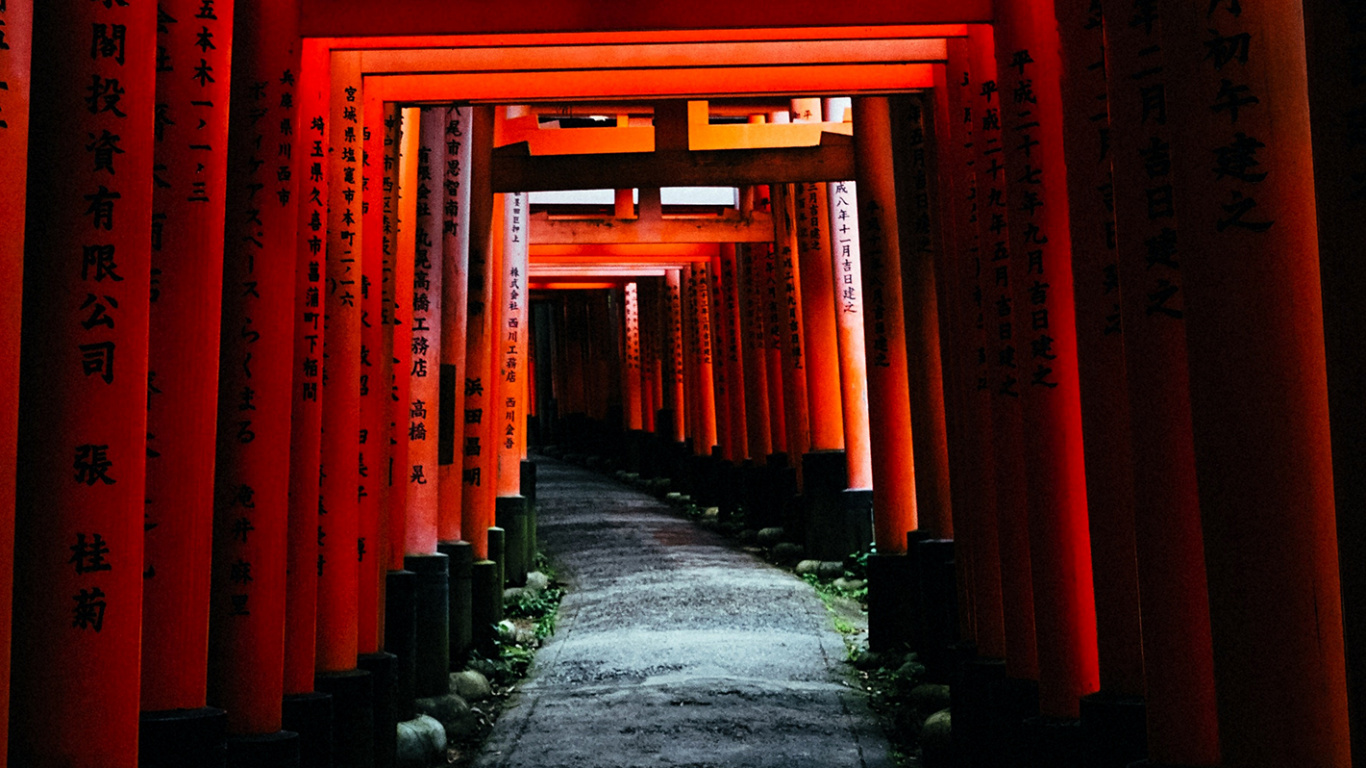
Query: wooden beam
point(757, 228)
point(833, 160)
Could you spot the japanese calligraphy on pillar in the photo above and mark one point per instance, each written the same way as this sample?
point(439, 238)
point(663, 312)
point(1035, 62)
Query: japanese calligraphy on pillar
point(991, 211)
point(845, 251)
point(511, 342)
point(425, 344)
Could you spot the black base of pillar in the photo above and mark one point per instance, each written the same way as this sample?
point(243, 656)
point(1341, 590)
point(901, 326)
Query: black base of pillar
point(528, 471)
point(265, 750)
point(696, 479)
point(971, 695)
point(858, 518)
point(826, 476)
point(400, 638)
point(1015, 702)
point(182, 738)
point(433, 624)
point(486, 607)
point(632, 449)
point(510, 515)
point(498, 553)
point(383, 669)
point(1114, 730)
point(353, 716)
point(310, 716)
point(891, 612)
point(460, 559)
point(937, 625)
point(1052, 743)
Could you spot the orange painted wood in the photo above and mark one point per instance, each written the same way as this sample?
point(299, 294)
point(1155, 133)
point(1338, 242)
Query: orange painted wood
point(306, 400)
point(674, 395)
point(788, 296)
point(386, 183)
point(338, 504)
point(1177, 650)
point(510, 345)
point(246, 634)
point(408, 140)
point(766, 282)
point(699, 320)
point(754, 354)
point(1259, 404)
point(83, 388)
point(478, 481)
point(1059, 537)
point(631, 371)
point(455, 265)
point(16, 75)
point(894, 501)
point(1105, 416)
point(372, 519)
point(193, 76)
point(1017, 589)
point(729, 309)
point(421, 480)
point(720, 364)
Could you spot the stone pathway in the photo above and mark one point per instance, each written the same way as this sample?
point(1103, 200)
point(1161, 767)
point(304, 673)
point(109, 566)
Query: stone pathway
point(675, 648)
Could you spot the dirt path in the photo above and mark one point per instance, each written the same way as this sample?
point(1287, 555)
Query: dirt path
point(675, 648)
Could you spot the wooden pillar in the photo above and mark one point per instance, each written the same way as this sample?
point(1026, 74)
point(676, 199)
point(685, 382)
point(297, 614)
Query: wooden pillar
point(249, 589)
point(409, 139)
point(83, 388)
point(631, 371)
point(787, 274)
point(754, 353)
point(847, 284)
point(1335, 39)
point(894, 503)
point(338, 507)
point(920, 305)
point(766, 283)
point(729, 309)
point(1177, 651)
point(1059, 540)
point(721, 373)
point(477, 473)
point(511, 345)
point(973, 483)
point(374, 392)
point(455, 266)
point(15, 80)
point(424, 396)
point(306, 400)
point(1242, 167)
point(385, 182)
point(699, 322)
point(674, 396)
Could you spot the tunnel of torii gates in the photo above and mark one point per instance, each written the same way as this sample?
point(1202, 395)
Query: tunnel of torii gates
point(1051, 303)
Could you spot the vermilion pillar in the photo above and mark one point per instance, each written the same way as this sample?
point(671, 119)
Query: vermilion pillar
point(1177, 651)
point(674, 397)
point(730, 310)
point(374, 394)
point(193, 77)
point(386, 183)
point(15, 76)
point(306, 399)
point(422, 481)
point(721, 372)
point(920, 304)
point(83, 387)
point(650, 357)
point(699, 320)
point(1335, 36)
point(787, 269)
point(340, 466)
point(1088, 138)
point(994, 280)
point(894, 503)
point(478, 479)
point(1254, 335)
point(754, 354)
point(511, 344)
point(1059, 540)
point(455, 266)
point(631, 371)
point(404, 243)
point(821, 353)
point(255, 378)
point(847, 284)
point(766, 284)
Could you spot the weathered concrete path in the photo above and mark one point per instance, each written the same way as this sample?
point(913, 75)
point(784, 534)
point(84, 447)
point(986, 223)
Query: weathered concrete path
point(674, 648)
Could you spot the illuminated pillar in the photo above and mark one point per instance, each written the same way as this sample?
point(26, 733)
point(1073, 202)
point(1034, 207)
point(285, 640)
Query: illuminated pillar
point(249, 587)
point(425, 314)
point(699, 323)
point(632, 413)
point(787, 274)
point(1177, 653)
point(477, 476)
point(1242, 169)
point(729, 308)
point(674, 399)
point(510, 345)
point(766, 283)
point(1335, 37)
point(753, 352)
point(721, 373)
point(894, 504)
point(193, 74)
point(83, 387)
point(15, 77)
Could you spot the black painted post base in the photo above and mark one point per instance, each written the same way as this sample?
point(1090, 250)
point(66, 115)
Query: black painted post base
point(509, 513)
point(528, 472)
point(383, 669)
point(310, 716)
point(633, 448)
point(353, 716)
point(823, 533)
point(1114, 730)
point(937, 619)
point(782, 491)
point(498, 553)
point(858, 518)
point(433, 624)
point(890, 610)
point(486, 606)
point(1015, 702)
point(697, 479)
point(264, 750)
point(182, 738)
point(460, 560)
point(970, 703)
point(400, 638)
point(1052, 742)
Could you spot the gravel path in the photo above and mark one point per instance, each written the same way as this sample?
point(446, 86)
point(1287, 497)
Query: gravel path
point(677, 649)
